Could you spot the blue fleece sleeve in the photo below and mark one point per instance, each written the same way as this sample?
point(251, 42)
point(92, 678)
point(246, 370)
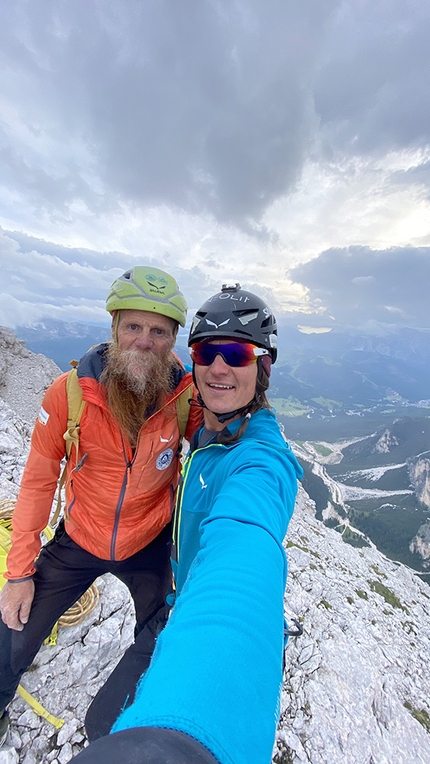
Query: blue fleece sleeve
point(217, 669)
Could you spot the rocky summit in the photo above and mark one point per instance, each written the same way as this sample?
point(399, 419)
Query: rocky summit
point(356, 685)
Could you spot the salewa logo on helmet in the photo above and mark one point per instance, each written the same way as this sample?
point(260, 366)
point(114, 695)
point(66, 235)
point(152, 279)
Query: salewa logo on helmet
point(157, 282)
point(217, 326)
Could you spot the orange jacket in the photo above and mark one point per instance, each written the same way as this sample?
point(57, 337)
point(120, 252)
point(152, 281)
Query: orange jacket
point(117, 501)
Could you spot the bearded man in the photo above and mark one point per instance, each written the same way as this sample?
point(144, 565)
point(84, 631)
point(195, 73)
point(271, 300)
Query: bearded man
point(120, 483)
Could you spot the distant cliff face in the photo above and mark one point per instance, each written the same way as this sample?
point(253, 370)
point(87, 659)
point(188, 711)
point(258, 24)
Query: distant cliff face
point(24, 378)
point(421, 543)
point(420, 476)
point(356, 686)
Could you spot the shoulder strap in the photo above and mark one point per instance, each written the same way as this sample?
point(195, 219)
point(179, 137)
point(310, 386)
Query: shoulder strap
point(183, 410)
point(75, 407)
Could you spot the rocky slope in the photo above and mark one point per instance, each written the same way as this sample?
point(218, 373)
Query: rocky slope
point(356, 688)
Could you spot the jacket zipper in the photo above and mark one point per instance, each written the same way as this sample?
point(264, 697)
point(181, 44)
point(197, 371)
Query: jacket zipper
point(68, 508)
point(179, 497)
point(128, 466)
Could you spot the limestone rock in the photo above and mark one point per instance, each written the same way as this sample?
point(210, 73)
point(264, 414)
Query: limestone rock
point(8, 755)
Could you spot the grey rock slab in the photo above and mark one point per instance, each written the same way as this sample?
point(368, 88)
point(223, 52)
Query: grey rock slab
point(8, 755)
point(65, 754)
point(67, 731)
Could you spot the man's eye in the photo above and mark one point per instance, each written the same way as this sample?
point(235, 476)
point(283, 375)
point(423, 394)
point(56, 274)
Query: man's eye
point(133, 327)
point(159, 332)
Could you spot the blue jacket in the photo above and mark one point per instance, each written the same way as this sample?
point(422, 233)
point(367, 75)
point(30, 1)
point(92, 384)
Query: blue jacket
point(217, 669)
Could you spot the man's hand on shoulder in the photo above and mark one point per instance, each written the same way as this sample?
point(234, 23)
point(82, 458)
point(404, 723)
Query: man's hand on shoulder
point(15, 603)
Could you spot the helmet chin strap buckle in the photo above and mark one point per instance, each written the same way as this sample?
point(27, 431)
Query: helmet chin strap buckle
point(230, 414)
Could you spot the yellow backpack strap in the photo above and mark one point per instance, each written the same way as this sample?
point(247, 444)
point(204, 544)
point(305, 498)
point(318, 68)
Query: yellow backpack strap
point(75, 404)
point(39, 709)
point(183, 409)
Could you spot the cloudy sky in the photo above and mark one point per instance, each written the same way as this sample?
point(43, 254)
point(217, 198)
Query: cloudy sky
point(282, 144)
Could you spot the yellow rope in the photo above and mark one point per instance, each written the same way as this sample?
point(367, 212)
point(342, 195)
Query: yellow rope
point(83, 607)
point(74, 615)
point(6, 508)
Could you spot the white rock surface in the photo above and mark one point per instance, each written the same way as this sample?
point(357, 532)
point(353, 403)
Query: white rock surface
point(357, 685)
point(24, 376)
point(8, 755)
point(358, 678)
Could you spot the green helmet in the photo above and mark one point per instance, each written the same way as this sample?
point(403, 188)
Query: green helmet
point(146, 288)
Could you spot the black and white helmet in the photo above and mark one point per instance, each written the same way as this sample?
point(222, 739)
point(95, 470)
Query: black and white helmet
point(238, 314)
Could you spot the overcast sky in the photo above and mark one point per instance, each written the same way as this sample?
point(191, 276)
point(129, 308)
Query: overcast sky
point(285, 145)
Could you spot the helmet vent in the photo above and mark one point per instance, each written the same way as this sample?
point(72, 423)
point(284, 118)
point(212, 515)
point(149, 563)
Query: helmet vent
point(245, 316)
point(242, 333)
point(267, 321)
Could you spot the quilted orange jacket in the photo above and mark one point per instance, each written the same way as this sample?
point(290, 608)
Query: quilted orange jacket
point(117, 499)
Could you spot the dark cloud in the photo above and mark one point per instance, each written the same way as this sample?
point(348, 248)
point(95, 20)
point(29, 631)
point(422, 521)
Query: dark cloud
point(202, 104)
point(371, 92)
point(358, 285)
point(41, 278)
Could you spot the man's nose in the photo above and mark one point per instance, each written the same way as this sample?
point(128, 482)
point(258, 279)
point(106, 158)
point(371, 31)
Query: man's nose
point(144, 341)
point(219, 366)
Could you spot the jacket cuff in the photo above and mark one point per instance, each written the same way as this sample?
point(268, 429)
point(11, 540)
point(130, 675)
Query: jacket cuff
point(146, 745)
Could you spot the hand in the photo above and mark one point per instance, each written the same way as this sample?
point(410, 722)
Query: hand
point(15, 603)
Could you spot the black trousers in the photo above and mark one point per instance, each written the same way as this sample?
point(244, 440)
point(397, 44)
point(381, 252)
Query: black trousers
point(64, 571)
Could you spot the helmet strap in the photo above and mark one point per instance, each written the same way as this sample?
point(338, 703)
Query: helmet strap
point(115, 322)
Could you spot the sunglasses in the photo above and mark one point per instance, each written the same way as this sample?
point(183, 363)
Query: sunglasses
point(234, 353)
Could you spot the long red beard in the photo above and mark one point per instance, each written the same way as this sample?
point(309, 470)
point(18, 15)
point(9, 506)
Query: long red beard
point(135, 382)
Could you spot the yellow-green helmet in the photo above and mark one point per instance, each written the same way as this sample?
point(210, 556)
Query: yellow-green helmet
point(147, 288)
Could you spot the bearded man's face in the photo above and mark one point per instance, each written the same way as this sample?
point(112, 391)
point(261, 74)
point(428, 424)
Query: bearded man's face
point(139, 368)
point(142, 351)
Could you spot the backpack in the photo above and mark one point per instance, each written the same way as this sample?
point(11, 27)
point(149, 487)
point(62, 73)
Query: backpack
point(76, 405)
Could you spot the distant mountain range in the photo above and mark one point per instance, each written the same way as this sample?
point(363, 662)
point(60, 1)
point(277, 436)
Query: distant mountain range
point(339, 371)
point(61, 341)
point(316, 374)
